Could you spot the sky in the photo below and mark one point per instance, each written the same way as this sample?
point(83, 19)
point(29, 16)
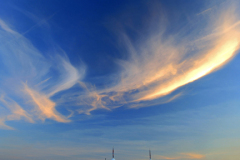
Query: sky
point(78, 78)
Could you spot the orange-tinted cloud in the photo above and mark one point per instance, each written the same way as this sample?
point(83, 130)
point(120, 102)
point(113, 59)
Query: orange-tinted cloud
point(45, 108)
point(92, 98)
point(17, 111)
point(161, 64)
point(193, 155)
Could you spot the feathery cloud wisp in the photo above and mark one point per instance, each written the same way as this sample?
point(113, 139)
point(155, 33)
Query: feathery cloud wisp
point(163, 62)
point(17, 111)
point(45, 107)
point(22, 62)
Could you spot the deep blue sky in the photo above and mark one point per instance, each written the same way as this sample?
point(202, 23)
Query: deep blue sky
point(79, 77)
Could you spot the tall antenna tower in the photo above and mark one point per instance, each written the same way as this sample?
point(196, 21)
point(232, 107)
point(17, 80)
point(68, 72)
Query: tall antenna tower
point(113, 154)
point(150, 157)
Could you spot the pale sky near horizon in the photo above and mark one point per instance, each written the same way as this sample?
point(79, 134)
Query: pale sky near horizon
point(80, 77)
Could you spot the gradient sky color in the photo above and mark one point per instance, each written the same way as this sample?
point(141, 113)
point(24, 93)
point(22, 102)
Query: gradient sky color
point(80, 77)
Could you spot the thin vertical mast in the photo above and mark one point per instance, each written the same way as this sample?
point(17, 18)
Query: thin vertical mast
point(113, 153)
point(150, 155)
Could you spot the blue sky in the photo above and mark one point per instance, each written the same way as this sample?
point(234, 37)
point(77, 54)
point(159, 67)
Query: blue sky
point(79, 77)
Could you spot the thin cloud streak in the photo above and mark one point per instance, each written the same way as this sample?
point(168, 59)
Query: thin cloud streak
point(45, 107)
point(69, 76)
point(4, 126)
point(5, 27)
point(17, 111)
point(205, 11)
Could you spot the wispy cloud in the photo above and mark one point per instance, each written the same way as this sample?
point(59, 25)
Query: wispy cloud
point(28, 81)
point(3, 125)
point(158, 65)
point(5, 27)
point(162, 62)
point(69, 76)
point(205, 11)
point(161, 65)
point(17, 111)
point(45, 107)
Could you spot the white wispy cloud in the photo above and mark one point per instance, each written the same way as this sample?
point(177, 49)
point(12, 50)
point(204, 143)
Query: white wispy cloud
point(5, 27)
point(162, 62)
point(69, 76)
